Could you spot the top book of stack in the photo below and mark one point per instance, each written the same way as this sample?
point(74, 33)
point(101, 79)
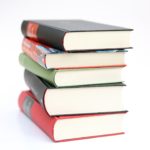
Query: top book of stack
point(77, 35)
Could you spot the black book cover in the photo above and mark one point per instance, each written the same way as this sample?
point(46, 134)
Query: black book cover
point(52, 32)
point(38, 86)
point(35, 85)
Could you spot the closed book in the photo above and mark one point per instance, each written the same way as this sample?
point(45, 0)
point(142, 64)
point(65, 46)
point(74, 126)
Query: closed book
point(51, 58)
point(72, 77)
point(77, 35)
point(75, 100)
point(67, 128)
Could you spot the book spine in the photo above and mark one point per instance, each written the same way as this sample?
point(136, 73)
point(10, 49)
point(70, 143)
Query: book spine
point(32, 109)
point(32, 50)
point(44, 34)
point(37, 87)
point(38, 70)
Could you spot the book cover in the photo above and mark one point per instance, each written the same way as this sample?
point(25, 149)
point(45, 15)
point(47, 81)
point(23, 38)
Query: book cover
point(32, 109)
point(71, 35)
point(51, 58)
point(73, 77)
point(75, 100)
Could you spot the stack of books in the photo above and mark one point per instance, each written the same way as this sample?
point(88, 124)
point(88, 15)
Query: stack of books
point(73, 70)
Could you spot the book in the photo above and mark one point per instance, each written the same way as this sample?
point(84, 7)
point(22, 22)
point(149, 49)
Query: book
point(65, 128)
point(75, 100)
point(72, 77)
point(51, 58)
point(77, 35)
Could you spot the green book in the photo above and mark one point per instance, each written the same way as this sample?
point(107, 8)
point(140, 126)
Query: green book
point(72, 77)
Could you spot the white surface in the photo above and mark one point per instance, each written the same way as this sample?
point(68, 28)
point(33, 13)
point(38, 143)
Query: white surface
point(17, 131)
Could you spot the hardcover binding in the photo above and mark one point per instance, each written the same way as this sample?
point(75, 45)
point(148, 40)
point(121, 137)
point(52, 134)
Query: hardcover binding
point(37, 114)
point(34, 52)
point(45, 34)
point(31, 108)
point(36, 86)
point(37, 52)
point(52, 32)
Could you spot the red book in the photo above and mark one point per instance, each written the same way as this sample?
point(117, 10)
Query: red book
point(66, 128)
point(51, 58)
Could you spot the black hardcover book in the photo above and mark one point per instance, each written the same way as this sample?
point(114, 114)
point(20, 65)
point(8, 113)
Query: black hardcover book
point(75, 100)
point(77, 35)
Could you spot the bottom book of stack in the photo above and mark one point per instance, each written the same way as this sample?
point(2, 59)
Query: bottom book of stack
point(71, 127)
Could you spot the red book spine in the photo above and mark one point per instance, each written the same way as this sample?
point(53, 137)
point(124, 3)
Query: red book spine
point(33, 50)
point(34, 111)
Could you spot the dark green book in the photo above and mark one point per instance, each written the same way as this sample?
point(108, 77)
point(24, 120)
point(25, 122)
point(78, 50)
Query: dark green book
point(72, 77)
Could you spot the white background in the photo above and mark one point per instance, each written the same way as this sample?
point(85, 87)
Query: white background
point(17, 131)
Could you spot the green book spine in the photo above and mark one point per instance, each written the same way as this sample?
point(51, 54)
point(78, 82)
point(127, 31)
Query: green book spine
point(36, 69)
